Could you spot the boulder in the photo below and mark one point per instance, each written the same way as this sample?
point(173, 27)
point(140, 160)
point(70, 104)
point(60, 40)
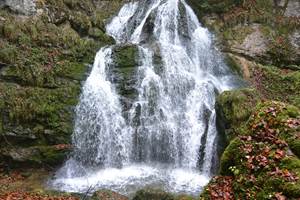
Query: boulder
point(43, 60)
point(235, 107)
point(293, 8)
point(158, 194)
point(108, 195)
point(265, 147)
point(36, 156)
point(123, 73)
point(25, 7)
point(254, 44)
point(153, 194)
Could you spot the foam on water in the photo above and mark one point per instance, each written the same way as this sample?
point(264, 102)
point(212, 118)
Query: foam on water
point(169, 139)
point(131, 178)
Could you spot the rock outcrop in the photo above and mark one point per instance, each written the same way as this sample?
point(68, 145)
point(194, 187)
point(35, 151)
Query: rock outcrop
point(25, 7)
point(261, 43)
point(43, 60)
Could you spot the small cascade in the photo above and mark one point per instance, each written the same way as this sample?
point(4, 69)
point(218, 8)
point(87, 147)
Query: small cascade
point(166, 135)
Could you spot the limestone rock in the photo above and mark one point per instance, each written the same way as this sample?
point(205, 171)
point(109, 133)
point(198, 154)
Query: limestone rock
point(38, 155)
point(294, 39)
point(293, 8)
point(254, 44)
point(26, 7)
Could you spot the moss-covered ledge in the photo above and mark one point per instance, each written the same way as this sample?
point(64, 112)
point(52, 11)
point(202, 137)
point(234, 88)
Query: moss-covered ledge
point(44, 58)
point(262, 158)
point(233, 108)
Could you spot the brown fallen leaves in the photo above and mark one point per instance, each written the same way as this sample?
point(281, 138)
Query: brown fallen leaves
point(293, 123)
point(10, 178)
point(27, 196)
point(221, 188)
point(286, 174)
point(261, 151)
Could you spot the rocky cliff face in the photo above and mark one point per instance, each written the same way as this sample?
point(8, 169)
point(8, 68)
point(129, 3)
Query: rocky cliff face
point(26, 7)
point(46, 48)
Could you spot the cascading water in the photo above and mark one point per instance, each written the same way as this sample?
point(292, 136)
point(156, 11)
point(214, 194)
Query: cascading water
point(168, 137)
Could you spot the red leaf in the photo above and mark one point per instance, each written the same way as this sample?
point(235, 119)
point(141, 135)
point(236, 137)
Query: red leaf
point(279, 196)
point(279, 154)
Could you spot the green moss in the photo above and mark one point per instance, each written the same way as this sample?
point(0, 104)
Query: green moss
point(100, 17)
point(8, 53)
point(234, 107)
point(124, 68)
point(229, 157)
point(274, 82)
point(38, 155)
point(184, 197)
point(281, 50)
point(12, 31)
point(125, 56)
point(43, 58)
point(30, 107)
point(80, 22)
point(99, 35)
point(86, 6)
point(98, 20)
point(52, 156)
point(291, 163)
point(233, 64)
point(213, 6)
point(72, 70)
point(153, 194)
point(291, 190)
point(295, 146)
point(271, 126)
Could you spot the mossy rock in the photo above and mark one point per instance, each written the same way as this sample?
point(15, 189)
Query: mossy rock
point(269, 134)
point(96, 33)
point(291, 189)
point(125, 56)
point(153, 194)
point(31, 108)
point(123, 73)
point(80, 22)
point(229, 156)
point(295, 146)
point(213, 6)
point(36, 155)
point(235, 107)
point(83, 6)
point(274, 82)
point(270, 81)
point(107, 195)
point(99, 35)
point(158, 194)
point(43, 59)
point(12, 31)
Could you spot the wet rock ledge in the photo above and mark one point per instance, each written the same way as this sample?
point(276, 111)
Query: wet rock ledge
point(46, 48)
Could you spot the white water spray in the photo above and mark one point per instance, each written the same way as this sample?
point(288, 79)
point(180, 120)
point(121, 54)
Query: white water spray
point(169, 138)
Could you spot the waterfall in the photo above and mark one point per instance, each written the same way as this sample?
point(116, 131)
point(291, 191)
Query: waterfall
point(167, 137)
